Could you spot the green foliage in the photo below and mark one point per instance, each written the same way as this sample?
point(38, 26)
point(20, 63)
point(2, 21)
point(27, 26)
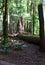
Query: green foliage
point(34, 16)
point(28, 9)
point(16, 7)
point(1, 1)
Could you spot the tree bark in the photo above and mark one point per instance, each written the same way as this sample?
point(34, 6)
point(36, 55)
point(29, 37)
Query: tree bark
point(41, 31)
point(5, 23)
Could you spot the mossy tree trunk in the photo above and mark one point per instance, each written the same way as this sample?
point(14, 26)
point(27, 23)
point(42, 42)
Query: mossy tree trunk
point(5, 23)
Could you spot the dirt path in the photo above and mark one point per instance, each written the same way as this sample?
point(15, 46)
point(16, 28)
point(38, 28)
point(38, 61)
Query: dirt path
point(5, 63)
point(29, 55)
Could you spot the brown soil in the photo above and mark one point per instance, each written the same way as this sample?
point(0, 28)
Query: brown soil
point(29, 55)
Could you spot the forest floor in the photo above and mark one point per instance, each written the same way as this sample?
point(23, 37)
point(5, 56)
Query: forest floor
point(28, 55)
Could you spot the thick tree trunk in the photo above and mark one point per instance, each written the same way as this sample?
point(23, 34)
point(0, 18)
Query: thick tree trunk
point(5, 23)
point(41, 22)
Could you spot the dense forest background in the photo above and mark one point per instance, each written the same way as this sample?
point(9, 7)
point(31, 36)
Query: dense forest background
point(27, 9)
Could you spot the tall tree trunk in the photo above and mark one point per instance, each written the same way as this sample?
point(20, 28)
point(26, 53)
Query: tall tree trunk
point(41, 22)
point(33, 14)
point(28, 6)
point(34, 7)
point(33, 18)
point(5, 23)
point(27, 12)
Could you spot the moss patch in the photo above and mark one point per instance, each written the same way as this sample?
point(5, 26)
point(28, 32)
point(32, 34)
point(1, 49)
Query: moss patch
point(30, 38)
